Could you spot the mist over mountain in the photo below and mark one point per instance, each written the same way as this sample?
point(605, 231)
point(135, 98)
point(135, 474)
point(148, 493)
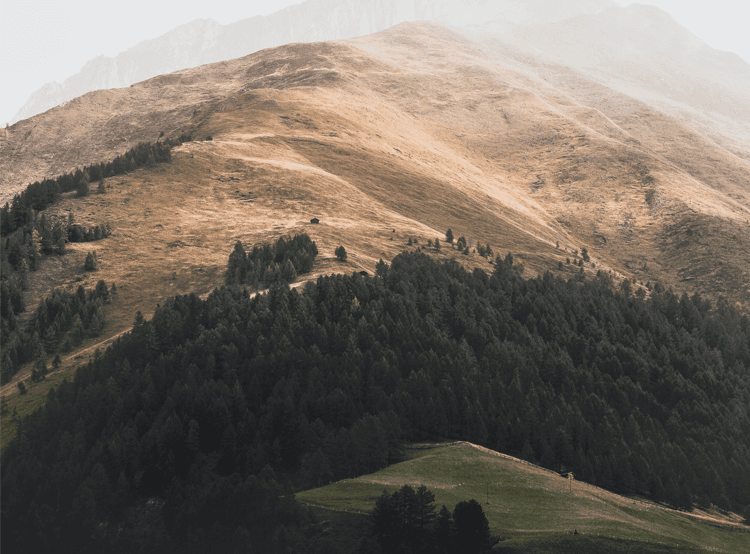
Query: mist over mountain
point(204, 41)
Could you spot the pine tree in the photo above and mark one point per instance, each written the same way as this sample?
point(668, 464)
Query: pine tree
point(472, 527)
point(91, 263)
point(82, 188)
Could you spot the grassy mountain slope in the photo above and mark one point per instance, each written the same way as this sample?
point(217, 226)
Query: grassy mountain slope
point(389, 137)
point(532, 507)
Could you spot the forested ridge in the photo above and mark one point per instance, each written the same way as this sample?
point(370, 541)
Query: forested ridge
point(207, 417)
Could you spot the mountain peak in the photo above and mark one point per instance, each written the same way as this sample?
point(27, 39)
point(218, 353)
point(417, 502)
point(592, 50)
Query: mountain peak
point(204, 41)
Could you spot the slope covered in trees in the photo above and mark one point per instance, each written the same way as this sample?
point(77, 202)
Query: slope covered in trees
point(60, 322)
point(638, 396)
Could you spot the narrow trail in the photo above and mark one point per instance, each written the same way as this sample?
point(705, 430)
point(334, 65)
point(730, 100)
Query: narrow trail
point(78, 356)
point(12, 386)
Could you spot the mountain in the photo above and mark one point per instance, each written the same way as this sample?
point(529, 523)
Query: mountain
point(643, 52)
point(379, 144)
point(205, 41)
point(401, 133)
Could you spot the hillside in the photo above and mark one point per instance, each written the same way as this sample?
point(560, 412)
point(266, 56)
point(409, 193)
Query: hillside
point(397, 135)
point(572, 351)
point(531, 508)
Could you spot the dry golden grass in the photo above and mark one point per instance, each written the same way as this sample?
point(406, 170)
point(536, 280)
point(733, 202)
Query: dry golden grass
point(398, 135)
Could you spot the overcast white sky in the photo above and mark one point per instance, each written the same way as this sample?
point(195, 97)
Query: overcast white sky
point(50, 41)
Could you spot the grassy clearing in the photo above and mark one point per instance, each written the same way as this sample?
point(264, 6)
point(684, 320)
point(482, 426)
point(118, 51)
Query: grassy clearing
point(532, 506)
point(24, 405)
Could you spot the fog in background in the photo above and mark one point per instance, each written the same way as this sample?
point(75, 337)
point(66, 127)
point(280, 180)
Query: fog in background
point(52, 41)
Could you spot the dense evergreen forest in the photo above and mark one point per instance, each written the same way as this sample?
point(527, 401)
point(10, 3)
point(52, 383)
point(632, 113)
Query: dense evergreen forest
point(267, 265)
point(61, 322)
point(191, 432)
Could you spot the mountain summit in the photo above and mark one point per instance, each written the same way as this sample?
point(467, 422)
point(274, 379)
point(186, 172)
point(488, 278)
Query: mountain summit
point(205, 41)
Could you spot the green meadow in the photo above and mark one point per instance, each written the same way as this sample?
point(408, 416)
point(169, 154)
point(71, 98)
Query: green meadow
point(535, 510)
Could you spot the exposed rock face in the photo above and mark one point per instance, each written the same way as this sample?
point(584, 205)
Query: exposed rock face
point(204, 41)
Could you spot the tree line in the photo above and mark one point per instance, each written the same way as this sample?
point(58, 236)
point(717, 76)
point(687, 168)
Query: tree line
point(42, 194)
point(254, 397)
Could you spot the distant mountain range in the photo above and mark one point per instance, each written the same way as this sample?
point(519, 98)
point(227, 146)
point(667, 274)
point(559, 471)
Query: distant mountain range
point(204, 41)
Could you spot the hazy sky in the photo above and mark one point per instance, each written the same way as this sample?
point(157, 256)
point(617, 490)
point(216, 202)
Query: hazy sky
point(50, 41)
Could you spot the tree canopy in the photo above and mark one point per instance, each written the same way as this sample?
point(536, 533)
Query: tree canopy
point(200, 410)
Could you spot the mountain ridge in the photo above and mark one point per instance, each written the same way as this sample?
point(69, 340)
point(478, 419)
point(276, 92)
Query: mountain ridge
point(425, 128)
point(208, 41)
